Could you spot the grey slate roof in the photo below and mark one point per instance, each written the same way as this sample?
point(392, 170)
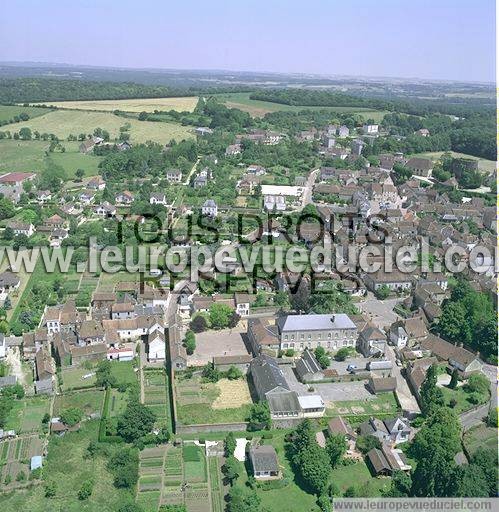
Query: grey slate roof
point(264, 458)
point(267, 374)
point(283, 402)
point(315, 322)
point(307, 364)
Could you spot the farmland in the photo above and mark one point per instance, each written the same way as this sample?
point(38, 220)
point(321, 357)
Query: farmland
point(29, 156)
point(183, 104)
point(8, 112)
point(63, 123)
point(258, 108)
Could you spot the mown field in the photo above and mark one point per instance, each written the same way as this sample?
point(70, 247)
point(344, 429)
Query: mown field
point(184, 104)
point(29, 156)
point(257, 108)
point(7, 112)
point(65, 122)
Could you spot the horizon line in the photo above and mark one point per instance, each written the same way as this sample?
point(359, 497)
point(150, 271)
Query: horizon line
point(221, 70)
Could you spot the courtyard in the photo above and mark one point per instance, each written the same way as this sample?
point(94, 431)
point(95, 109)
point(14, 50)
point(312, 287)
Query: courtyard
point(226, 342)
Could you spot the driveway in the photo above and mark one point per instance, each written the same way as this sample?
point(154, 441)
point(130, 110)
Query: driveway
point(474, 417)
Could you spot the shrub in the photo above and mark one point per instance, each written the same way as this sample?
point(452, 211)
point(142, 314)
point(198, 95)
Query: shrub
point(85, 490)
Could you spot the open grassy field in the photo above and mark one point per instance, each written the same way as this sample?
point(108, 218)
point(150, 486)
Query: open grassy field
point(461, 397)
point(29, 156)
point(184, 104)
point(7, 112)
point(72, 378)
point(67, 466)
point(65, 122)
point(483, 164)
point(358, 475)
point(257, 108)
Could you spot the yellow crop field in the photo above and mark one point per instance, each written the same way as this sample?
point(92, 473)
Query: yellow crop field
point(184, 104)
point(65, 122)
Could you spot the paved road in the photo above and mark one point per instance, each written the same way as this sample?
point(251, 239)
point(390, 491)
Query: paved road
point(474, 417)
point(307, 192)
point(406, 398)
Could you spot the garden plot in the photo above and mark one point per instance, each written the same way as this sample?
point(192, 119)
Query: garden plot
point(233, 393)
point(27, 414)
point(216, 486)
point(201, 402)
point(15, 455)
point(156, 394)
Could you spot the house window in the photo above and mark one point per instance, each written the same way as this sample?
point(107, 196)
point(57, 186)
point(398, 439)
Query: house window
point(284, 345)
point(318, 343)
point(286, 337)
point(302, 336)
point(329, 335)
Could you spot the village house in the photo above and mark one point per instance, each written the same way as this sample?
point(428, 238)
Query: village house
point(264, 462)
point(124, 198)
point(21, 228)
point(410, 331)
point(420, 166)
point(158, 198)
point(86, 197)
point(386, 460)
point(209, 208)
point(372, 341)
point(43, 196)
point(9, 282)
point(370, 129)
point(263, 335)
point(177, 352)
point(96, 183)
point(174, 175)
point(105, 209)
point(233, 149)
point(396, 281)
point(457, 357)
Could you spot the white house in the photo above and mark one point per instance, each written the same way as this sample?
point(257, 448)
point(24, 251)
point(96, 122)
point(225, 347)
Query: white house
point(21, 228)
point(158, 198)
point(87, 196)
point(156, 346)
point(209, 208)
point(174, 175)
point(105, 210)
point(370, 129)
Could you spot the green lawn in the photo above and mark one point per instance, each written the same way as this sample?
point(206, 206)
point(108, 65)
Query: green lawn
point(148, 500)
point(461, 397)
point(73, 377)
point(358, 476)
point(383, 404)
point(67, 466)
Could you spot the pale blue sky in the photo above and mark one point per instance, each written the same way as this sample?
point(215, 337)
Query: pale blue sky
point(441, 39)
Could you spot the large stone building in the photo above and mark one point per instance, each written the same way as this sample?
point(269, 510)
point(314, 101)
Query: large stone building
point(333, 331)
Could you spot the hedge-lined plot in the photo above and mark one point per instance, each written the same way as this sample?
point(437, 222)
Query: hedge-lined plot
point(216, 486)
point(156, 395)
